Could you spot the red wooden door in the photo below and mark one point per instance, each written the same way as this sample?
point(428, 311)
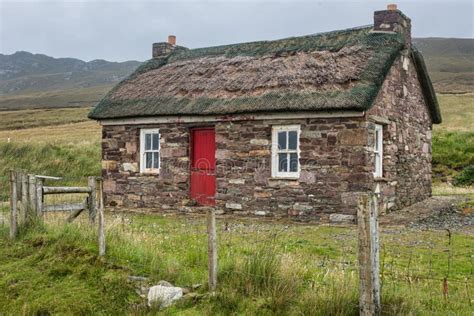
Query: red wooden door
point(203, 164)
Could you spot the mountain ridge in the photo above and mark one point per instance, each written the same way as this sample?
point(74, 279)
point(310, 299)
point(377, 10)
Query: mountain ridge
point(25, 72)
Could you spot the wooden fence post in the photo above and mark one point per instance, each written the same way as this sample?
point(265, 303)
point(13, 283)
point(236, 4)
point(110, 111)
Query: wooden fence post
point(13, 205)
point(369, 280)
point(101, 220)
point(39, 198)
point(32, 196)
point(91, 182)
point(212, 248)
point(24, 196)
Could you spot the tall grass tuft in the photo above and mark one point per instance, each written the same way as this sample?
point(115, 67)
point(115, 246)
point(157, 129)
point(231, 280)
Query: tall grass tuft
point(262, 275)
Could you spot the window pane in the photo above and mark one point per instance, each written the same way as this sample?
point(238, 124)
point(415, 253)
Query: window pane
point(148, 160)
point(156, 141)
point(293, 162)
point(282, 162)
point(292, 140)
point(282, 140)
point(147, 141)
point(377, 135)
point(377, 165)
point(156, 160)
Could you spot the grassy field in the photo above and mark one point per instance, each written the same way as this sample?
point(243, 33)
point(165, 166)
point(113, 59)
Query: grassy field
point(78, 97)
point(26, 119)
point(450, 62)
point(265, 268)
point(457, 111)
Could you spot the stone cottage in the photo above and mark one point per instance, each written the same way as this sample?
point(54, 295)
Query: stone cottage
point(294, 127)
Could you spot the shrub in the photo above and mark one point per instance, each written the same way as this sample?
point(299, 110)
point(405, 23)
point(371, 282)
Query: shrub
point(452, 151)
point(465, 177)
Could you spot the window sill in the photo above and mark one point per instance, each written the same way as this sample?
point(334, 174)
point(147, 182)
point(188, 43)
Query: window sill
point(285, 178)
point(150, 173)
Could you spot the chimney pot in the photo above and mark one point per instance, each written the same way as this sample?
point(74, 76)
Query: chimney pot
point(172, 40)
point(392, 7)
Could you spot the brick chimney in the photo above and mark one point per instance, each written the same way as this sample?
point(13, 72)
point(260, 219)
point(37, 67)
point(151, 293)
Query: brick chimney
point(164, 48)
point(393, 20)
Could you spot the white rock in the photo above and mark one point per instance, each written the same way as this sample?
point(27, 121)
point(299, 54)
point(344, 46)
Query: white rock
point(302, 207)
point(127, 166)
point(256, 141)
point(237, 181)
point(164, 295)
point(219, 212)
point(260, 213)
point(165, 283)
point(233, 206)
point(341, 218)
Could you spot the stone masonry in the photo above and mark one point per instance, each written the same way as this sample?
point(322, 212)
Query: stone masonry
point(336, 160)
point(407, 137)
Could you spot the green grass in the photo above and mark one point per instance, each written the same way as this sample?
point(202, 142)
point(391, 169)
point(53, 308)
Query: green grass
point(453, 140)
point(14, 120)
point(457, 111)
point(264, 268)
point(61, 98)
point(452, 152)
point(57, 271)
point(73, 162)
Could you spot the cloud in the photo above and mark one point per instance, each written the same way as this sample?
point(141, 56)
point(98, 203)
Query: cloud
point(123, 30)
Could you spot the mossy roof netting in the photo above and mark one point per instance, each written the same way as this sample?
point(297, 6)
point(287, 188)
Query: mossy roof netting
point(340, 70)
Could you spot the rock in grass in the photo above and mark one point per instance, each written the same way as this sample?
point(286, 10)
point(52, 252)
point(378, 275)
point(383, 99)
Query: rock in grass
point(165, 283)
point(163, 296)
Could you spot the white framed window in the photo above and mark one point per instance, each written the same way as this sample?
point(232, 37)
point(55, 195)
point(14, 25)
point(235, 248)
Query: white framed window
point(149, 150)
point(286, 151)
point(378, 151)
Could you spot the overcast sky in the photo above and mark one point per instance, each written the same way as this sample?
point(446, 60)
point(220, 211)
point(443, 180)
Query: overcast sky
point(124, 30)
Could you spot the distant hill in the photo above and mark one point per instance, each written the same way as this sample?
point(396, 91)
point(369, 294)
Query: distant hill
point(450, 62)
point(38, 81)
point(26, 72)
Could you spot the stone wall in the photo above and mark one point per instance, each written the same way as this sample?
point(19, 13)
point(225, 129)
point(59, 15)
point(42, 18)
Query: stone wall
point(336, 160)
point(407, 137)
point(124, 186)
point(333, 168)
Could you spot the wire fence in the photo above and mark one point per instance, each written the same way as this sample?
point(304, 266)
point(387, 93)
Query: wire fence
point(428, 266)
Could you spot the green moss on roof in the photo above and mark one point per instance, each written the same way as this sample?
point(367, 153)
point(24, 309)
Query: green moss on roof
point(382, 48)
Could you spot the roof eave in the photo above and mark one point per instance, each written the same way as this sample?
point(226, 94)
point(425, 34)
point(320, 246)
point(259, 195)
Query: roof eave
point(427, 88)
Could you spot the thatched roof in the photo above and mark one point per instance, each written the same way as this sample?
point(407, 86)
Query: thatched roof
point(341, 70)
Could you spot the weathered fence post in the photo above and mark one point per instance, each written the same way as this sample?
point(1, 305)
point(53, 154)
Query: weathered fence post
point(369, 281)
point(39, 198)
point(91, 183)
point(24, 196)
point(32, 196)
point(212, 248)
point(101, 219)
point(13, 205)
